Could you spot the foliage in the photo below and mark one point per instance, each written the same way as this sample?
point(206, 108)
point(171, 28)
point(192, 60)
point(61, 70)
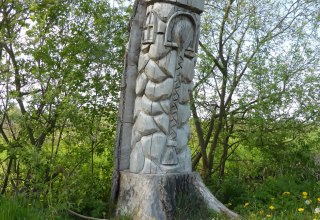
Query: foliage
point(59, 77)
point(259, 186)
point(256, 74)
point(300, 201)
point(19, 208)
point(255, 106)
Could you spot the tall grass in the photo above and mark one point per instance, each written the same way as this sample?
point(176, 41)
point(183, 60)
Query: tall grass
point(21, 209)
point(14, 209)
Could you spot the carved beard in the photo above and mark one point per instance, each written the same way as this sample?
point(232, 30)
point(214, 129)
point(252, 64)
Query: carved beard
point(181, 33)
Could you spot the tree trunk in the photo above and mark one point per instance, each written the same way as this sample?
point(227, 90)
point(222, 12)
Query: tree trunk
point(6, 178)
point(159, 196)
point(125, 115)
point(152, 157)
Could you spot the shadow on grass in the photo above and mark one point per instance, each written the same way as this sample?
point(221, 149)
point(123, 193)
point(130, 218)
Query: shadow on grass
point(190, 207)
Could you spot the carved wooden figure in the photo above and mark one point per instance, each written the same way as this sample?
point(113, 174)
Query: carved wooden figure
point(152, 157)
point(165, 71)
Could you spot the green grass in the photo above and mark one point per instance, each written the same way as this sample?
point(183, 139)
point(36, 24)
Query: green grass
point(21, 209)
point(288, 206)
point(276, 198)
point(283, 207)
point(296, 201)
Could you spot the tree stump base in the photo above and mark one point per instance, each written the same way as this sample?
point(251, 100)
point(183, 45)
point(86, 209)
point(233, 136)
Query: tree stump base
point(157, 196)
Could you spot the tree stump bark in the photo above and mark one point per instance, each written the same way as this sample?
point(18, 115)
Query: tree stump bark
point(157, 196)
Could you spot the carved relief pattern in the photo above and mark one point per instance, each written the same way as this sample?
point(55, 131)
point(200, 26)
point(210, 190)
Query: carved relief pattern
point(166, 68)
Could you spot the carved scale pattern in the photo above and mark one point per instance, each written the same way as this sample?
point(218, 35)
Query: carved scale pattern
point(161, 131)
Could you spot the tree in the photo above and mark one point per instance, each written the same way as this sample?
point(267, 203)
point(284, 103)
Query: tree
point(152, 159)
point(256, 57)
point(58, 90)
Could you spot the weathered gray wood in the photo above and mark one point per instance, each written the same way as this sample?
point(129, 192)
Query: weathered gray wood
point(196, 5)
point(155, 196)
point(164, 81)
point(127, 96)
point(153, 131)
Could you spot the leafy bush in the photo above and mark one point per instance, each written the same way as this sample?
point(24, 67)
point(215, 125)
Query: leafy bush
point(229, 190)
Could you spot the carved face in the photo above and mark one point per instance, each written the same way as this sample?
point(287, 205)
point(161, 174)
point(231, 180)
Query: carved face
point(166, 67)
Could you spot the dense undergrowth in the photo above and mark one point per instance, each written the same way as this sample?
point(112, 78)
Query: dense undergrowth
point(281, 185)
point(24, 209)
point(60, 73)
point(289, 196)
point(257, 184)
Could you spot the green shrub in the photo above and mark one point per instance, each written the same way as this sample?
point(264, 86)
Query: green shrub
point(229, 190)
